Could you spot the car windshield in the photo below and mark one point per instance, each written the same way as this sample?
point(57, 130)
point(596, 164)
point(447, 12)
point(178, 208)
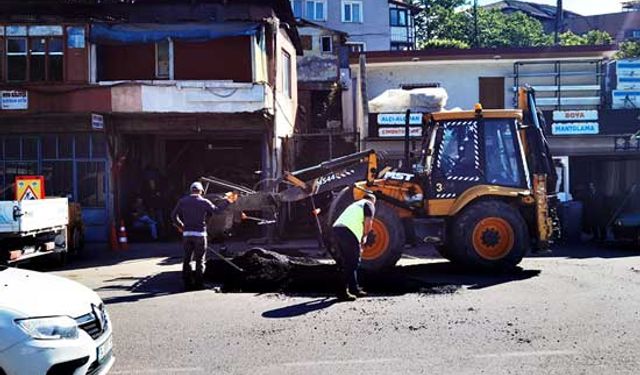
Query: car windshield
point(502, 166)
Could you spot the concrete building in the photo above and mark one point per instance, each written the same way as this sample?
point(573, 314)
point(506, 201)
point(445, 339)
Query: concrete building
point(116, 101)
point(371, 25)
point(574, 86)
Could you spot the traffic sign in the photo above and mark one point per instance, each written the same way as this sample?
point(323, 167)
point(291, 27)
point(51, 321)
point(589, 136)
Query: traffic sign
point(29, 187)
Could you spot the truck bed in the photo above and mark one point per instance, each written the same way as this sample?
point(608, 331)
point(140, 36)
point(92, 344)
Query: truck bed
point(28, 217)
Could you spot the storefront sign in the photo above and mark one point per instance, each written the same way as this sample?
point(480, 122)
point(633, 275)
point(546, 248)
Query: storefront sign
point(12, 100)
point(399, 118)
point(29, 187)
point(627, 144)
point(622, 99)
point(398, 132)
point(97, 121)
point(575, 128)
point(628, 73)
point(575, 115)
point(75, 37)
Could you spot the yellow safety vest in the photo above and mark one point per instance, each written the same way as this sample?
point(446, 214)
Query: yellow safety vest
point(353, 218)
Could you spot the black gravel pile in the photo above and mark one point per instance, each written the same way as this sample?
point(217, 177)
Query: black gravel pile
point(267, 271)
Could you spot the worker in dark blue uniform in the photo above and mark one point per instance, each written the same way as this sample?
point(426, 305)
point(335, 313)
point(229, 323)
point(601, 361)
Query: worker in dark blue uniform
point(190, 216)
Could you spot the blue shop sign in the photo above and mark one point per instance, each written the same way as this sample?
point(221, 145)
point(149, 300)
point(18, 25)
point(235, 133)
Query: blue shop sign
point(575, 128)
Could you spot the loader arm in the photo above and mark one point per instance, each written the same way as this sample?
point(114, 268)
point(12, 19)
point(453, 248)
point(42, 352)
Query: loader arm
point(330, 175)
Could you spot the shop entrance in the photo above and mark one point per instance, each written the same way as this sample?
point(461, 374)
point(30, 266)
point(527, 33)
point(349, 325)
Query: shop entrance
point(159, 171)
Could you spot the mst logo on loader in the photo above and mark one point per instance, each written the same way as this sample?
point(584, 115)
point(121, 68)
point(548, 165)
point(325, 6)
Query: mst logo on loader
point(399, 176)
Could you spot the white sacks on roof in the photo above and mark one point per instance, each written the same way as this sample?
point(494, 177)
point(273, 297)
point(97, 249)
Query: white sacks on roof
point(417, 100)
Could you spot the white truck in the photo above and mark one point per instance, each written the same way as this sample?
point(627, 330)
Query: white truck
point(32, 228)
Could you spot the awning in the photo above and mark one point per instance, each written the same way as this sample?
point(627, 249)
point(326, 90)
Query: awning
point(132, 33)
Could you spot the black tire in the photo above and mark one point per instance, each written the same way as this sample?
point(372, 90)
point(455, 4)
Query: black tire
point(488, 235)
point(385, 217)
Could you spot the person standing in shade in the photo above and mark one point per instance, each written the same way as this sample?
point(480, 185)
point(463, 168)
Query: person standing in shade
point(350, 232)
point(190, 216)
point(595, 214)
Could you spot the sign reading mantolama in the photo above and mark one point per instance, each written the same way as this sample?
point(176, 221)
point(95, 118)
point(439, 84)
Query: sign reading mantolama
point(393, 132)
point(575, 128)
point(399, 118)
point(575, 115)
point(11, 100)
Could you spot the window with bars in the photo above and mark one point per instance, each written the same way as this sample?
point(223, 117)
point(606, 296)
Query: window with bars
point(74, 165)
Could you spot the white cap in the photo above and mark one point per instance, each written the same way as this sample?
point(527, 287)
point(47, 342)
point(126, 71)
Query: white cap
point(197, 186)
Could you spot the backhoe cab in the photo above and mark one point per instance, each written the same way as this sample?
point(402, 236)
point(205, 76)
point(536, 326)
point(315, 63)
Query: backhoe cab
point(479, 191)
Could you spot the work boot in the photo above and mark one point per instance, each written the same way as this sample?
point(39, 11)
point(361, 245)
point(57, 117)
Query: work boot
point(346, 296)
point(359, 293)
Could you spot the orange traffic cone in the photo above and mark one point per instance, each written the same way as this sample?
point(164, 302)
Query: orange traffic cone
point(113, 238)
point(122, 237)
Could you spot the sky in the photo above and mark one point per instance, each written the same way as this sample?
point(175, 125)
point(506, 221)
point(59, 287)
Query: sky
point(584, 7)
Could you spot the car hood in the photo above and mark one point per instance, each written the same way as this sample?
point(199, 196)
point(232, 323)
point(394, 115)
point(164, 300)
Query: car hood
point(34, 294)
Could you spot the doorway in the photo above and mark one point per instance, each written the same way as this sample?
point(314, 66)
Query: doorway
point(491, 92)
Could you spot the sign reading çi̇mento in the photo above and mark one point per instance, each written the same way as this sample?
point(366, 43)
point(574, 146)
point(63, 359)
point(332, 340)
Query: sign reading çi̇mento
point(14, 100)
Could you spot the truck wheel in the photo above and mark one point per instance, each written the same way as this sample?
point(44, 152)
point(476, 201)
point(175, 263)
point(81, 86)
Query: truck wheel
point(388, 237)
point(385, 246)
point(339, 203)
point(489, 235)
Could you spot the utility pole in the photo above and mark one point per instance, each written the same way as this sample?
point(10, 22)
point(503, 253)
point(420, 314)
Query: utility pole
point(559, 21)
point(476, 37)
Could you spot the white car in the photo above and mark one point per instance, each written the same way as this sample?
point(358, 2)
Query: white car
point(51, 325)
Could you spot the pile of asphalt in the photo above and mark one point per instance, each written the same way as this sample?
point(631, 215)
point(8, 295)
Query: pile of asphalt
point(266, 271)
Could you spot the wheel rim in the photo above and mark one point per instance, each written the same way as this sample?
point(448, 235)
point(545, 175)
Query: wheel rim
point(379, 241)
point(493, 238)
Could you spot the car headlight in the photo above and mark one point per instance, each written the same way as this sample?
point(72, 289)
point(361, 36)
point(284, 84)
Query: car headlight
point(51, 328)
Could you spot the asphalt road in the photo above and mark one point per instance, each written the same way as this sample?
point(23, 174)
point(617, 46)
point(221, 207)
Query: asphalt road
point(575, 312)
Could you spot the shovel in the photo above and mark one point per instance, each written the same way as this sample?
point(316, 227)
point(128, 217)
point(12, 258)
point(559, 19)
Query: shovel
point(224, 259)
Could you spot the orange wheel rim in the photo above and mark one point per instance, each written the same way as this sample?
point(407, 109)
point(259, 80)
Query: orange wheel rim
point(379, 242)
point(493, 238)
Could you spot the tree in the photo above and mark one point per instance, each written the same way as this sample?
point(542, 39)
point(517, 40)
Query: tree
point(570, 39)
point(598, 38)
point(443, 43)
point(436, 18)
point(628, 49)
point(497, 29)
point(591, 38)
point(448, 24)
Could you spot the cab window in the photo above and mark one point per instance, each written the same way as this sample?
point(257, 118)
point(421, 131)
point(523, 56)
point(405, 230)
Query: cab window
point(502, 165)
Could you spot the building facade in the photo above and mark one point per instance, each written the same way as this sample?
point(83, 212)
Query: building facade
point(372, 25)
point(590, 130)
point(111, 102)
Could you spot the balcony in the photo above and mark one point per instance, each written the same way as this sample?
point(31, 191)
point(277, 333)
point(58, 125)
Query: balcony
point(189, 96)
point(401, 34)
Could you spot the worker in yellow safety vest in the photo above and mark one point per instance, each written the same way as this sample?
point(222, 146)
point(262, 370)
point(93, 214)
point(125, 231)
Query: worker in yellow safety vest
point(350, 232)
